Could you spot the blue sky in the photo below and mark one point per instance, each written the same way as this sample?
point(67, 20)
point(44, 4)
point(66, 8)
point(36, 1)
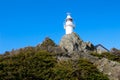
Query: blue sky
point(27, 22)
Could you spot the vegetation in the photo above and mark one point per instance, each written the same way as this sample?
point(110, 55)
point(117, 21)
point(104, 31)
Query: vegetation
point(42, 65)
point(31, 64)
point(48, 42)
point(107, 55)
point(46, 45)
point(27, 66)
point(82, 70)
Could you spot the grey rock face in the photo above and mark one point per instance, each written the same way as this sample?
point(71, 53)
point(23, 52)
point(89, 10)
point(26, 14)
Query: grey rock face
point(76, 48)
point(108, 67)
point(72, 42)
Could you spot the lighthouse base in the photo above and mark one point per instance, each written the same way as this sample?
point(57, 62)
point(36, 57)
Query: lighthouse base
point(69, 30)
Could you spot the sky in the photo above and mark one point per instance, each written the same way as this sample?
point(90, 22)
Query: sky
point(27, 22)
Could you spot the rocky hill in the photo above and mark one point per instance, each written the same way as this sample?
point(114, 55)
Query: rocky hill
point(72, 59)
point(78, 48)
point(72, 42)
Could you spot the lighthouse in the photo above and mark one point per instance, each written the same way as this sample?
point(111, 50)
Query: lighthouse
point(69, 26)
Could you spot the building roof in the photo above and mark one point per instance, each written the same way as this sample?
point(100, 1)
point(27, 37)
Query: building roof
point(99, 45)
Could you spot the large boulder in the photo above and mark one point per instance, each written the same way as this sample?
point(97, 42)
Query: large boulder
point(72, 42)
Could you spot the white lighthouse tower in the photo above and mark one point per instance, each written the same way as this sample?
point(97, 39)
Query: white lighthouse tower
point(69, 26)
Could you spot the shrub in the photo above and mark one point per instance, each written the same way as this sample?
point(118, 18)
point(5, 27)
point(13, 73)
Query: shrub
point(80, 70)
point(108, 56)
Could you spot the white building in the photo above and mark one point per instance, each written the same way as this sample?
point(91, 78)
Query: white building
point(69, 26)
point(101, 49)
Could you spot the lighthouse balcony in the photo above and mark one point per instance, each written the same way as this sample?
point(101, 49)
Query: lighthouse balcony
point(72, 25)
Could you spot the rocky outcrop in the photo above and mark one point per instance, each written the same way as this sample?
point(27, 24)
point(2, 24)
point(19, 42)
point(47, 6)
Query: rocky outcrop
point(108, 67)
point(72, 42)
point(76, 48)
point(115, 51)
point(72, 47)
point(49, 46)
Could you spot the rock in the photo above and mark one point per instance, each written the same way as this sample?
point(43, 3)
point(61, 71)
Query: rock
point(115, 51)
point(46, 44)
point(108, 67)
point(76, 48)
point(72, 42)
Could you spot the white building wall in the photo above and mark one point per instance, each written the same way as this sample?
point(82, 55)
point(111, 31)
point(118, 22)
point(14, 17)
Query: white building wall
point(69, 30)
point(101, 50)
point(69, 27)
